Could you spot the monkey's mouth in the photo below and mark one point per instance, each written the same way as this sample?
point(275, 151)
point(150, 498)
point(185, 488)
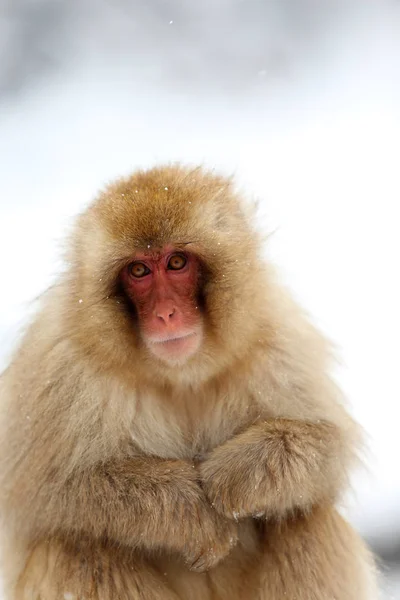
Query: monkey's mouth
point(176, 348)
point(174, 339)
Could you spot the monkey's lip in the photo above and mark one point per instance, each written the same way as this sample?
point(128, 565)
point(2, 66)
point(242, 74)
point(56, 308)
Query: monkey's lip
point(176, 347)
point(174, 339)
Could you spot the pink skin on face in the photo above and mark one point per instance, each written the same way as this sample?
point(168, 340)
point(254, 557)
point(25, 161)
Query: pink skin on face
point(163, 286)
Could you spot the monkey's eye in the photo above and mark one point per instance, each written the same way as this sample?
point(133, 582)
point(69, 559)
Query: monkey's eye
point(138, 270)
point(177, 262)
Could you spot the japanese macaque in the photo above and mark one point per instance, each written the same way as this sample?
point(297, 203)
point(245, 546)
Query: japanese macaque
point(169, 427)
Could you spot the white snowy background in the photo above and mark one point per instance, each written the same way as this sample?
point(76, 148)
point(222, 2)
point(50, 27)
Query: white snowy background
point(300, 99)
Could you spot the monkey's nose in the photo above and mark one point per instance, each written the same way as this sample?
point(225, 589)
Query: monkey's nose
point(165, 313)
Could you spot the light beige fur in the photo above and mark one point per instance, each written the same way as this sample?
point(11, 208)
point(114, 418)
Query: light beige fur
point(126, 478)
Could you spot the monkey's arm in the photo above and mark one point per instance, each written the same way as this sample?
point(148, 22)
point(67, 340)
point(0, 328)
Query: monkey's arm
point(276, 466)
point(143, 502)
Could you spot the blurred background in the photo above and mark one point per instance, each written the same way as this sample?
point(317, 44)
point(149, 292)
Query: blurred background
point(299, 99)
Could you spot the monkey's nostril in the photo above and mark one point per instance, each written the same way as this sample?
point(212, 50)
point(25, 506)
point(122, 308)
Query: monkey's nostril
point(166, 315)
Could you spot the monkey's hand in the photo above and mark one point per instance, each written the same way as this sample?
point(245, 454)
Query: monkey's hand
point(151, 503)
point(212, 538)
point(274, 467)
point(203, 536)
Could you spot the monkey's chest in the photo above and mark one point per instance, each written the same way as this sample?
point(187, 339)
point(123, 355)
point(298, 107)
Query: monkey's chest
point(182, 432)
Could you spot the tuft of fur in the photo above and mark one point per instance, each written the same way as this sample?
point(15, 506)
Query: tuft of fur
point(123, 477)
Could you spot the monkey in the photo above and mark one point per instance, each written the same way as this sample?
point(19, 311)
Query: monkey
point(170, 428)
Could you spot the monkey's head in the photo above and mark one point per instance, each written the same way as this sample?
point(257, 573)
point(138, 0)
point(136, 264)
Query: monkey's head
point(166, 275)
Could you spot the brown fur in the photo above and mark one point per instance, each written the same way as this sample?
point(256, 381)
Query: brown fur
point(122, 476)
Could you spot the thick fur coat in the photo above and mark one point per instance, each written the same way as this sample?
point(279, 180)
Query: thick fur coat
point(125, 478)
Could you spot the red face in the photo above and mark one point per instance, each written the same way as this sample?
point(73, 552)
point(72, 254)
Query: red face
point(163, 286)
